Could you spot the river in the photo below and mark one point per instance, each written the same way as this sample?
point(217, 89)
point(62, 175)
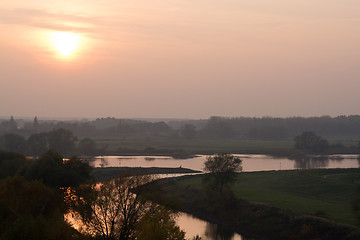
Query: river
point(250, 162)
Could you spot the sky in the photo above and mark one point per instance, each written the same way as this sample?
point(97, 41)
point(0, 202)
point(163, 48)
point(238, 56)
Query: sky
point(179, 58)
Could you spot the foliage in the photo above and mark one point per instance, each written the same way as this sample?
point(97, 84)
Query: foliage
point(87, 146)
point(188, 131)
point(222, 169)
point(110, 210)
point(30, 211)
point(9, 125)
point(10, 163)
point(14, 143)
point(217, 128)
point(311, 142)
point(38, 144)
point(242, 134)
point(55, 172)
point(61, 140)
point(159, 223)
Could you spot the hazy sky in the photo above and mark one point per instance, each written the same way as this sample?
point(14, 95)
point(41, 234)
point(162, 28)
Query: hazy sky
point(180, 58)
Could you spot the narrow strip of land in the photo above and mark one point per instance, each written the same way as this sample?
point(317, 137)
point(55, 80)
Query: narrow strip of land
point(101, 174)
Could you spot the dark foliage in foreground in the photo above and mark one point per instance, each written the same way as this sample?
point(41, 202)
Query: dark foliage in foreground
point(32, 211)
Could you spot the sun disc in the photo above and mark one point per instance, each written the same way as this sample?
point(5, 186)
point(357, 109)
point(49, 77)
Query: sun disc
point(65, 43)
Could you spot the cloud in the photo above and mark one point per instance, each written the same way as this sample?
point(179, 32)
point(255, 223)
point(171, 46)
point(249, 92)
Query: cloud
point(44, 19)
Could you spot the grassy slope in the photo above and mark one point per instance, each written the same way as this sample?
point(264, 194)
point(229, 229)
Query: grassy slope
point(327, 190)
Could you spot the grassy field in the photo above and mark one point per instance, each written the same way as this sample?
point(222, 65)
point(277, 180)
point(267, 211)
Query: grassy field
point(197, 146)
point(321, 192)
point(138, 143)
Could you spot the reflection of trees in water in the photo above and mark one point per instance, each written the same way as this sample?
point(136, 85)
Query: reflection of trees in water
point(103, 162)
point(216, 232)
point(311, 162)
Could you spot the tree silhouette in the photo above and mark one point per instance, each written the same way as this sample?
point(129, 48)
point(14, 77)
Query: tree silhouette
point(61, 141)
point(14, 143)
point(311, 142)
point(188, 131)
point(110, 210)
point(222, 169)
point(37, 144)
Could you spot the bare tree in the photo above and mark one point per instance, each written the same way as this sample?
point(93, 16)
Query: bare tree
point(110, 210)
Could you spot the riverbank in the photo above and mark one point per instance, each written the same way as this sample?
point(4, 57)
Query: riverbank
point(326, 193)
point(101, 174)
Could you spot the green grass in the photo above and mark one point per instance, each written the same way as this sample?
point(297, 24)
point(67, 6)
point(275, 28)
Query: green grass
point(140, 142)
point(325, 191)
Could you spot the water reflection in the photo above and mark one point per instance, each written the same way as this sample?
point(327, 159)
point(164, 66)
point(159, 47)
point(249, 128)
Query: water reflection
point(251, 162)
point(103, 162)
point(216, 232)
point(207, 231)
point(312, 162)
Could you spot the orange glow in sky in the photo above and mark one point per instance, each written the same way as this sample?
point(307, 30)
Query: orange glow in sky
point(65, 43)
point(180, 58)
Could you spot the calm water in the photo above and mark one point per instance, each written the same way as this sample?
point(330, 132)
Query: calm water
point(250, 162)
point(194, 226)
point(207, 231)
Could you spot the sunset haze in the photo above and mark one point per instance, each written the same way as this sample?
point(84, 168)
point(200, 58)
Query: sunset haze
point(179, 58)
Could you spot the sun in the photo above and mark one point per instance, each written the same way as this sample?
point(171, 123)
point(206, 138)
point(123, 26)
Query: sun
point(65, 43)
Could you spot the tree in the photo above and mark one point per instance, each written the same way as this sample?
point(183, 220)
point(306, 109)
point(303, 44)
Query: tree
point(222, 169)
point(37, 144)
point(87, 146)
point(14, 143)
point(31, 211)
point(218, 127)
point(159, 223)
point(55, 172)
point(12, 124)
point(35, 124)
point(10, 163)
point(61, 141)
point(110, 210)
point(311, 142)
point(76, 171)
point(188, 131)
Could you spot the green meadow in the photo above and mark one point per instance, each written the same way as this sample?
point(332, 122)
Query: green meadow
point(321, 192)
point(193, 146)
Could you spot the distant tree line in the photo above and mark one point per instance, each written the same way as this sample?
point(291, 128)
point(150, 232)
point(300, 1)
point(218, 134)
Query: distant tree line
point(214, 127)
point(60, 140)
point(280, 128)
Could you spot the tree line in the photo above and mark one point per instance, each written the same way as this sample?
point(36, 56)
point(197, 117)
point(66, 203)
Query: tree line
point(60, 140)
point(214, 127)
